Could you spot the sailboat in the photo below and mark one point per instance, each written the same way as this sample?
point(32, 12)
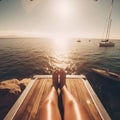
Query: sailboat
point(106, 42)
point(78, 40)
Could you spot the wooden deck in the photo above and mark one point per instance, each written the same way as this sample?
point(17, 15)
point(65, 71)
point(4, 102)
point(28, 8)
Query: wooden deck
point(27, 106)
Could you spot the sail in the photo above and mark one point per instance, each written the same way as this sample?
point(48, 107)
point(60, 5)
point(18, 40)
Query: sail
point(106, 42)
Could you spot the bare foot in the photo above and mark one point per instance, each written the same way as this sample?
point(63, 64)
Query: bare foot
point(55, 79)
point(62, 78)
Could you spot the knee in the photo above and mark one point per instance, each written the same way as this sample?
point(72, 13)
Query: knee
point(49, 102)
point(71, 103)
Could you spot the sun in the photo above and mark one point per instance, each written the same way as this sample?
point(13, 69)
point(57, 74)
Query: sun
point(62, 8)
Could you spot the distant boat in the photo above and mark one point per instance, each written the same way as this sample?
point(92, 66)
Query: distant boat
point(107, 74)
point(78, 40)
point(107, 42)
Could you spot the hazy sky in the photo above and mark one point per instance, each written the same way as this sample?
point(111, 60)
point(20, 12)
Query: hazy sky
point(83, 18)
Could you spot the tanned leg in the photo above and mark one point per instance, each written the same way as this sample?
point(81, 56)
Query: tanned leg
point(49, 109)
point(73, 110)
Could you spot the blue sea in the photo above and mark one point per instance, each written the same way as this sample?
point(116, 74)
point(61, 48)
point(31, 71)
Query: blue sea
point(26, 57)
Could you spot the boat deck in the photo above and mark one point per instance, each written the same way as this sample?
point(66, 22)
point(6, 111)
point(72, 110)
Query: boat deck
point(28, 105)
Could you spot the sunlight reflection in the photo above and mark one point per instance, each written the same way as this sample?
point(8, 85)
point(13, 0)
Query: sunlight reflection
point(60, 53)
point(60, 43)
point(88, 101)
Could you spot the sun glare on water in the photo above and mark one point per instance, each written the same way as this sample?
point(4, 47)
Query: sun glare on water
point(60, 43)
point(60, 52)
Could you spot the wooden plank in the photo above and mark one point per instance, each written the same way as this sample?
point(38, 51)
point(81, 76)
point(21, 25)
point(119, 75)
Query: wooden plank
point(26, 107)
point(68, 84)
point(81, 96)
point(50, 76)
point(23, 107)
point(73, 90)
point(46, 90)
point(91, 108)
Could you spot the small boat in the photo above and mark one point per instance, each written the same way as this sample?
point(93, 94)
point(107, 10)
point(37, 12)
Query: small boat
point(78, 41)
point(107, 74)
point(106, 42)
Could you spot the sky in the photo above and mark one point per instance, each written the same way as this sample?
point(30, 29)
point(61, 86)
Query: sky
point(54, 18)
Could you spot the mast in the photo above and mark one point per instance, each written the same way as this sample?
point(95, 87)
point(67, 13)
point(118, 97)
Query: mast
point(109, 21)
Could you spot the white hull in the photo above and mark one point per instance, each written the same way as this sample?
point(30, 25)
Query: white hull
point(107, 44)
